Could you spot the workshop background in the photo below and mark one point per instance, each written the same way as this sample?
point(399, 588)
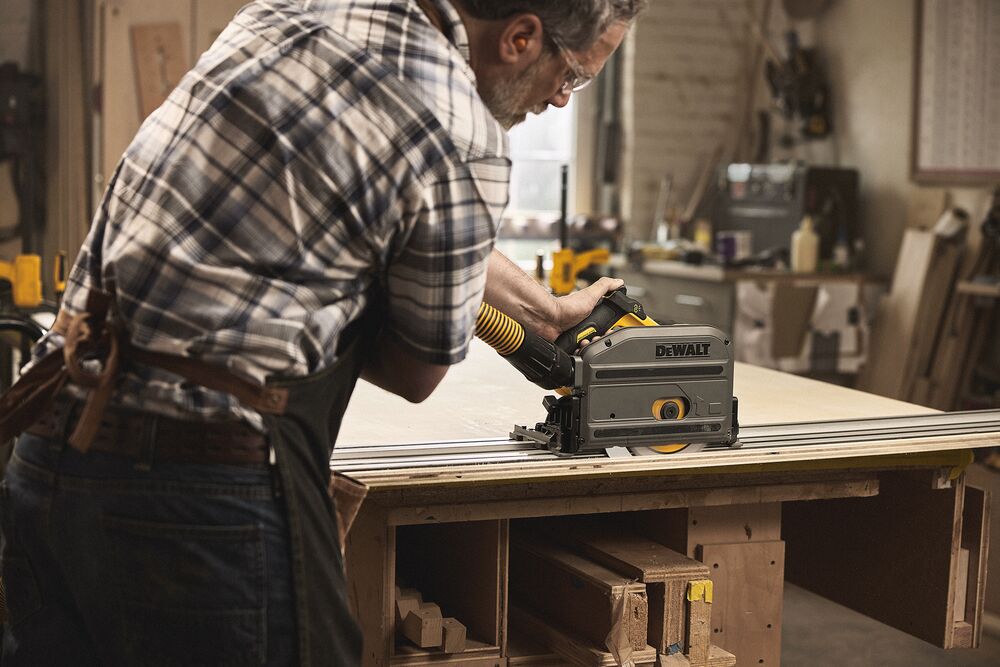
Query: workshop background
point(719, 127)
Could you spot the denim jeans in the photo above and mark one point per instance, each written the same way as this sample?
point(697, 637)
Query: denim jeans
point(112, 561)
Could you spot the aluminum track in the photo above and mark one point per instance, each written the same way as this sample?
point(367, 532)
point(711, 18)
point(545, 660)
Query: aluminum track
point(803, 434)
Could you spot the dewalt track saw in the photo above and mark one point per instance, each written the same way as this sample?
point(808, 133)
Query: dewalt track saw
point(641, 386)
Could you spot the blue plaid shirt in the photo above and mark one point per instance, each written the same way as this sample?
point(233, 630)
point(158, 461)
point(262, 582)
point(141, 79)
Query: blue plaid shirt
point(319, 148)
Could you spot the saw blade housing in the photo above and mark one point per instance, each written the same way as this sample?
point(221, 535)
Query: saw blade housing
point(644, 386)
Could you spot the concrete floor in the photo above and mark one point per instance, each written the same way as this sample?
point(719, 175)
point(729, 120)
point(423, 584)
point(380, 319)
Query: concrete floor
point(819, 633)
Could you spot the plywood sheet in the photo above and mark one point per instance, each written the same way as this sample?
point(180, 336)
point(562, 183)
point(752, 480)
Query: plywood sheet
point(119, 102)
point(746, 611)
point(159, 61)
point(891, 557)
point(483, 397)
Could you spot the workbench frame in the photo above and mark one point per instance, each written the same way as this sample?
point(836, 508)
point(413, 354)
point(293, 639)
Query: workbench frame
point(900, 538)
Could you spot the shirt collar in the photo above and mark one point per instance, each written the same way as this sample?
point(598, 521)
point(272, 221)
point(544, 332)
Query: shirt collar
point(453, 28)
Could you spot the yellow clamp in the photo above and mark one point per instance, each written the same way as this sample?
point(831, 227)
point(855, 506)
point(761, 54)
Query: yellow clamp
point(700, 589)
point(25, 277)
point(567, 264)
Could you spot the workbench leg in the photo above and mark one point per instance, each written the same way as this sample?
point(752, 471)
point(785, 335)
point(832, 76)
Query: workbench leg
point(742, 547)
point(371, 570)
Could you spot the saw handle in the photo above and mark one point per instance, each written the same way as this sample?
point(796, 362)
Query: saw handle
point(616, 309)
point(538, 360)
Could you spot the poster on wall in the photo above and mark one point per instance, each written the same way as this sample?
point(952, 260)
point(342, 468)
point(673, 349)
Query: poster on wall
point(957, 115)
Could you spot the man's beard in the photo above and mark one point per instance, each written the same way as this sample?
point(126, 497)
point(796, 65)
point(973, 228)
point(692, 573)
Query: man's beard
point(506, 98)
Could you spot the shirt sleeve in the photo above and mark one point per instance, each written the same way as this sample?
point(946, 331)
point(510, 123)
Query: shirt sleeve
point(436, 279)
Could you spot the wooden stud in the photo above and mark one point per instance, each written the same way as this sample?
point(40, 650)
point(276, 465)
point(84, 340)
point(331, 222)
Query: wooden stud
point(665, 572)
point(571, 648)
point(371, 560)
point(699, 596)
point(423, 626)
point(577, 594)
point(748, 580)
point(159, 63)
point(453, 640)
point(407, 600)
point(961, 584)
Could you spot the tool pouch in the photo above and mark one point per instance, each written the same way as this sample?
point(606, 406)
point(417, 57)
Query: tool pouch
point(347, 494)
point(25, 402)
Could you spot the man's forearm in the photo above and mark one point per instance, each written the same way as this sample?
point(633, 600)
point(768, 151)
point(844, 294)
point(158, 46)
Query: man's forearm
point(514, 292)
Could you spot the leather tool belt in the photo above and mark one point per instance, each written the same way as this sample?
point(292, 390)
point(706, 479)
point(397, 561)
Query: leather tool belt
point(95, 348)
point(128, 432)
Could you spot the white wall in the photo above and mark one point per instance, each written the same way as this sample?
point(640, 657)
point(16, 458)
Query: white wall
point(684, 84)
point(869, 49)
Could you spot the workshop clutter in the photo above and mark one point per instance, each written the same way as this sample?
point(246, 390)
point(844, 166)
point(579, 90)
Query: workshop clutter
point(932, 330)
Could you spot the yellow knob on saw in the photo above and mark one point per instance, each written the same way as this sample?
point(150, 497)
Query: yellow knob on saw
point(669, 409)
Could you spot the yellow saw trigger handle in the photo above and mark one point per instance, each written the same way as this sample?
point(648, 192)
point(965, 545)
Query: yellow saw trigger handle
point(616, 309)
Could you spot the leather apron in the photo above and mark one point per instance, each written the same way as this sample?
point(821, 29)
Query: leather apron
point(302, 417)
point(302, 440)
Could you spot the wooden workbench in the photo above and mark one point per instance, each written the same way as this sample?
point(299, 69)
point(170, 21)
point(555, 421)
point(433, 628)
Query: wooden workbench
point(900, 538)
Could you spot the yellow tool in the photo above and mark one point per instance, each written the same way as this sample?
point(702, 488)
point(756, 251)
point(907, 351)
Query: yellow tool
point(614, 311)
point(566, 262)
point(25, 276)
point(567, 265)
point(59, 274)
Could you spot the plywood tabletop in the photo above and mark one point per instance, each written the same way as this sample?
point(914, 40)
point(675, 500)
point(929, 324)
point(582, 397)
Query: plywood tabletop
point(483, 396)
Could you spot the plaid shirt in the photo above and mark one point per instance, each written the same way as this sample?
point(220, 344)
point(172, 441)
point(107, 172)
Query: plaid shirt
point(319, 148)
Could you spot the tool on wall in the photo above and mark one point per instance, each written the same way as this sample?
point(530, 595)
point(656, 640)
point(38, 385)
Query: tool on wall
point(566, 262)
point(641, 385)
point(800, 90)
point(21, 118)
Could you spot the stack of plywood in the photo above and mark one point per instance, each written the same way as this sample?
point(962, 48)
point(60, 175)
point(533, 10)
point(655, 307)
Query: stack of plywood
point(909, 320)
point(963, 334)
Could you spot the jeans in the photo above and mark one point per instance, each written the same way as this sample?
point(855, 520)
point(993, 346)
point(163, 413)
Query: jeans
point(112, 561)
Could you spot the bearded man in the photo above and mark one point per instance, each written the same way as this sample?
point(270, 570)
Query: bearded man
point(317, 200)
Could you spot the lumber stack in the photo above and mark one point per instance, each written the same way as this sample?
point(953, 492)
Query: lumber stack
point(908, 323)
point(931, 329)
point(579, 596)
point(565, 579)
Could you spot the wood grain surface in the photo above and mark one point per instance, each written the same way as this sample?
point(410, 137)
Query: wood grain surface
point(484, 396)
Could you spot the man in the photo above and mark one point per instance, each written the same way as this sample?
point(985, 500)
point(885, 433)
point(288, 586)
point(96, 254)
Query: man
point(317, 199)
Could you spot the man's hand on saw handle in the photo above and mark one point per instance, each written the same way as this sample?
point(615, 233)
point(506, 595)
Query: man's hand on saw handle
point(513, 292)
point(574, 308)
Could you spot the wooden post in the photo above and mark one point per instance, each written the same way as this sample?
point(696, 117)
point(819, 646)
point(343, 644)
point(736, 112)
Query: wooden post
point(371, 573)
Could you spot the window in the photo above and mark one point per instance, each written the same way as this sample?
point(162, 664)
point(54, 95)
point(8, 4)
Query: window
point(539, 147)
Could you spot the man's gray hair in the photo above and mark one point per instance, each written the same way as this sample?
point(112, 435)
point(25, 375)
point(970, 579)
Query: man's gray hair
point(575, 24)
